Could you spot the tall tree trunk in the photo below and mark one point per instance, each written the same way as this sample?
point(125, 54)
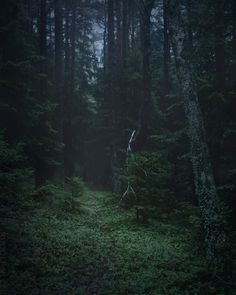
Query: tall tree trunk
point(166, 51)
point(125, 34)
point(125, 46)
point(105, 41)
point(110, 39)
point(73, 45)
point(190, 27)
point(234, 24)
point(219, 45)
point(109, 99)
point(40, 165)
point(43, 46)
point(43, 29)
point(58, 47)
point(69, 90)
point(132, 10)
point(145, 12)
point(67, 49)
point(59, 81)
point(29, 21)
point(234, 42)
point(118, 38)
point(215, 236)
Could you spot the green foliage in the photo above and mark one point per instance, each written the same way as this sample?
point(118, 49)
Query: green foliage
point(76, 186)
point(14, 174)
point(63, 197)
point(151, 176)
point(47, 193)
point(102, 251)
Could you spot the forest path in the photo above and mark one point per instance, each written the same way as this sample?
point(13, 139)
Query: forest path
point(100, 249)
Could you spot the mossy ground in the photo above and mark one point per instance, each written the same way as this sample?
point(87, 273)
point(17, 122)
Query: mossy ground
point(99, 248)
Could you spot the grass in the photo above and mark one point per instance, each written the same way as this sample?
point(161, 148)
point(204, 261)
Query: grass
point(99, 248)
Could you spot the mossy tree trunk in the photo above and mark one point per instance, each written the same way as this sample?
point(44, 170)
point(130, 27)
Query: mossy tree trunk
point(205, 187)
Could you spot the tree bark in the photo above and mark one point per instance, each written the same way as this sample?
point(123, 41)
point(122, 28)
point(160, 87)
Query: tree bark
point(59, 81)
point(109, 101)
point(39, 162)
point(43, 29)
point(58, 48)
point(43, 46)
point(234, 42)
point(110, 39)
point(125, 34)
point(166, 49)
point(73, 45)
point(215, 236)
point(219, 46)
point(118, 39)
point(145, 12)
point(69, 90)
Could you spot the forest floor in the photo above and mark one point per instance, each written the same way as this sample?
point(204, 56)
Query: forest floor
point(100, 248)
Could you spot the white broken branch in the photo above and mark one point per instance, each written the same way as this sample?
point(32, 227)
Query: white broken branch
point(128, 152)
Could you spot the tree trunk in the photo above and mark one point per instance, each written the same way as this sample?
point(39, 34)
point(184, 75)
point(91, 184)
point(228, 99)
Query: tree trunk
point(43, 29)
point(219, 46)
point(118, 39)
point(105, 41)
point(43, 46)
point(39, 163)
point(234, 25)
point(123, 85)
point(166, 51)
point(233, 22)
point(109, 101)
point(29, 20)
point(110, 39)
point(67, 50)
point(190, 28)
point(58, 48)
point(132, 10)
point(125, 34)
point(59, 81)
point(73, 32)
point(215, 236)
point(69, 90)
point(145, 12)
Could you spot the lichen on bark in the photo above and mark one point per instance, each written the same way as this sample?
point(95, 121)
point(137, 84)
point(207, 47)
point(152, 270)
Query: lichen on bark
point(216, 245)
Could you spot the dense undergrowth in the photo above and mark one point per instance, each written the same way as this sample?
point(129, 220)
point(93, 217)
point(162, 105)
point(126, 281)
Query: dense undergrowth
point(89, 244)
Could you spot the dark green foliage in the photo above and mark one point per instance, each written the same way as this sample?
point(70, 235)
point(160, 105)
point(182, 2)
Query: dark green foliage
point(14, 173)
point(65, 197)
point(76, 186)
point(151, 177)
point(102, 250)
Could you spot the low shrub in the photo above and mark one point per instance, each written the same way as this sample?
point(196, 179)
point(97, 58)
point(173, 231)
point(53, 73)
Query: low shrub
point(76, 186)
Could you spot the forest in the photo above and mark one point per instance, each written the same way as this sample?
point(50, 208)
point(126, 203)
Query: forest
point(117, 147)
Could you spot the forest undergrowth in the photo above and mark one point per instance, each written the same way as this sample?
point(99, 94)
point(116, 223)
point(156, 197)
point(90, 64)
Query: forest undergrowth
point(93, 245)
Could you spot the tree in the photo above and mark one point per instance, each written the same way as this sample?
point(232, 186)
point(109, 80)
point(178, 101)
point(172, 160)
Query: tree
point(69, 85)
point(59, 79)
point(146, 7)
point(166, 49)
point(205, 187)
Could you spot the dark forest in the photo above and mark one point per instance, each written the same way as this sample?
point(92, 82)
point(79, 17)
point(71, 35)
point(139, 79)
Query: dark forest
point(117, 147)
